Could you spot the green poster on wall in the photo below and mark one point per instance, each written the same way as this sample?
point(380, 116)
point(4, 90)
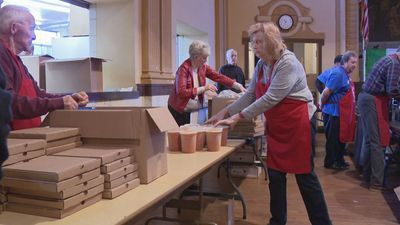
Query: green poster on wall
point(373, 55)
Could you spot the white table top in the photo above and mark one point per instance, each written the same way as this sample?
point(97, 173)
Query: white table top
point(182, 168)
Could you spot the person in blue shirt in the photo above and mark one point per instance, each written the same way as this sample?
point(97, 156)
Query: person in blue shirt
point(323, 77)
point(338, 97)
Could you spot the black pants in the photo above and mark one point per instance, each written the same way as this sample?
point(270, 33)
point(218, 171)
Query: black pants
point(334, 148)
point(311, 192)
point(180, 118)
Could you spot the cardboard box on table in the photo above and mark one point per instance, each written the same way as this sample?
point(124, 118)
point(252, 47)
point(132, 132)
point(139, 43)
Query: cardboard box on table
point(56, 204)
point(51, 212)
point(130, 168)
point(121, 180)
point(89, 180)
point(58, 139)
point(52, 174)
point(140, 128)
point(51, 168)
point(24, 149)
point(117, 191)
point(245, 127)
point(41, 186)
point(16, 146)
point(46, 133)
point(107, 168)
point(217, 104)
point(73, 75)
point(105, 154)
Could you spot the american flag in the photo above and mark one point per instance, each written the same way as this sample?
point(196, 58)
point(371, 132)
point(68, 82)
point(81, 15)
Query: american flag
point(364, 19)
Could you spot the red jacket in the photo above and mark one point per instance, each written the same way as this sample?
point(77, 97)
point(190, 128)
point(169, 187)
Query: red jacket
point(184, 89)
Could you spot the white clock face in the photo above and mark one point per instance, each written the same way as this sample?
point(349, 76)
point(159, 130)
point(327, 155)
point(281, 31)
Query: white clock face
point(285, 22)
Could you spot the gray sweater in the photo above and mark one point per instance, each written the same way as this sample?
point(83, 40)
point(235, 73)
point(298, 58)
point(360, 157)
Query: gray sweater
point(288, 80)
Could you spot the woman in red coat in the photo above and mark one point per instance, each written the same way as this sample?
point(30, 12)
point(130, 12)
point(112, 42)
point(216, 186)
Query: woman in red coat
point(190, 83)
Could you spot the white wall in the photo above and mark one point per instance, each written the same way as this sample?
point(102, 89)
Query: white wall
point(116, 29)
point(199, 15)
point(79, 21)
point(182, 52)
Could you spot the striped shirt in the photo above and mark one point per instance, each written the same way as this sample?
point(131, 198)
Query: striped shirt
point(384, 77)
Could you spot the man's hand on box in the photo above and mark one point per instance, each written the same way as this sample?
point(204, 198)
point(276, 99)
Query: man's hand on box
point(70, 103)
point(81, 98)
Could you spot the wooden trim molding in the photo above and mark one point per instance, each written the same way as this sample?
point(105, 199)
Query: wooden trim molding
point(154, 89)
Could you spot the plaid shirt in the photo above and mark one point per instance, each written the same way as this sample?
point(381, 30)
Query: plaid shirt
point(384, 77)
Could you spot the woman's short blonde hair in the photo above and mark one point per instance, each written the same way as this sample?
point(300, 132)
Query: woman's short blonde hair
point(273, 38)
point(198, 48)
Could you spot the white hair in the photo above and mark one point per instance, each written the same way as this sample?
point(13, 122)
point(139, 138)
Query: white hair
point(228, 55)
point(198, 48)
point(10, 14)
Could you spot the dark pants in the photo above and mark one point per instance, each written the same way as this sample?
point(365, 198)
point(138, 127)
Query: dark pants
point(180, 118)
point(334, 148)
point(311, 192)
point(374, 153)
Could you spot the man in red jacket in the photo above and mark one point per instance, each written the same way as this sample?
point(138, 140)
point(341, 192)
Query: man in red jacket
point(17, 26)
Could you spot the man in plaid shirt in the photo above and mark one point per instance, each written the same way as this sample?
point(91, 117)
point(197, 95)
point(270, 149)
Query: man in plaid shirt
point(373, 103)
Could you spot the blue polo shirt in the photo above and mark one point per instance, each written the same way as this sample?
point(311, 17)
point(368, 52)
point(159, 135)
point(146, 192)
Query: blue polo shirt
point(338, 82)
point(323, 77)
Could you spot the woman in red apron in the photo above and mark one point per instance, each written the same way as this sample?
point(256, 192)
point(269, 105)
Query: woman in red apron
point(279, 90)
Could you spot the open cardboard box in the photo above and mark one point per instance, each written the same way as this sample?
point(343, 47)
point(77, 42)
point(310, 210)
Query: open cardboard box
point(140, 128)
point(73, 75)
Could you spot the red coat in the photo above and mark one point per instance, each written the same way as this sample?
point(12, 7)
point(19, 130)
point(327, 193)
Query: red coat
point(184, 90)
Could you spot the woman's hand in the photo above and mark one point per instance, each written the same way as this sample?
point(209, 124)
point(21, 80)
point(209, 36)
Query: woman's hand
point(231, 121)
point(211, 87)
point(239, 87)
point(217, 117)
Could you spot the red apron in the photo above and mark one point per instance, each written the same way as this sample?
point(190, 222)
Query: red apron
point(382, 111)
point(288, 133)
point(27, 89)
point(347, 115)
